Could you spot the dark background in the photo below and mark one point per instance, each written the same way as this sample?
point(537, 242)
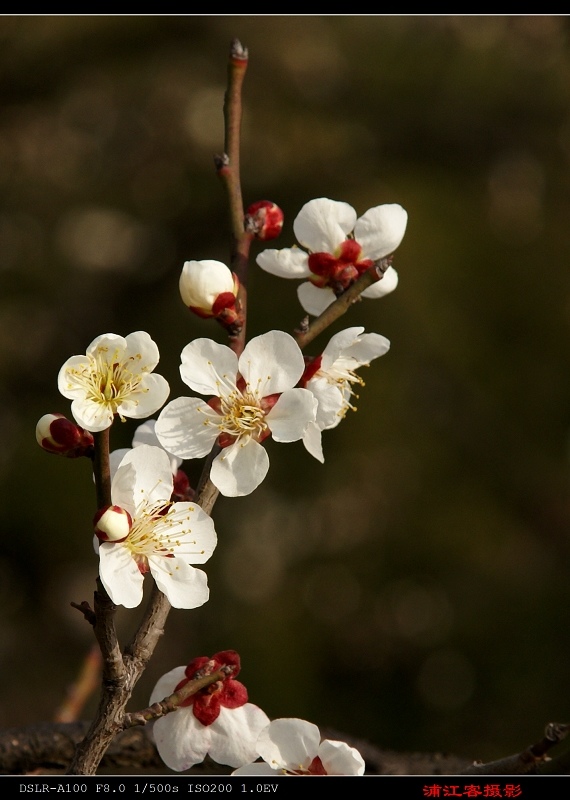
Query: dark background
point(413, 590)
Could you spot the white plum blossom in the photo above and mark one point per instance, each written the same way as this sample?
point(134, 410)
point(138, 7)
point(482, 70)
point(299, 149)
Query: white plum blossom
point(216, 721)
point(294, 747)
point(208, 287)
point(144, 434)
point(164, 538)
point(339, 248)
point(331, 376)
point(253, 398)
point(114, 377)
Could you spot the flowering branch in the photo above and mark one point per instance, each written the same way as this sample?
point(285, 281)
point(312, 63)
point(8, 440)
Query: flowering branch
point(173, 701)
point(342, 303)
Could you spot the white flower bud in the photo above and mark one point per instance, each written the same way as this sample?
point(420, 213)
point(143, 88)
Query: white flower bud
point(207, 287)
point(112, 524)
point(56, 434)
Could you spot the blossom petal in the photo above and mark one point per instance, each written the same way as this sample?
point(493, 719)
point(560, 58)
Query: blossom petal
point(209, 368)
point(259, 768)
point(145, 434)
point(108, 347)
point(150, 395)
point(120, 575)
point(314, 299)
point(339, 342)
point(289, 743)
point(384, 286)
point(166, 685)
point(66, 384)
point(234, 734)
point(143, 350)
point(183, 585)
point(380, 230)
point(93, 417)
point(240, 468)
point(144, 478)
point(188, 532)
point(338, 758)
point(187, 427)
point(312, 439)
point(330, 399)
point(115, 458)
point(366, 348)
point(291, 262)
point(323, 224)
point(180, 739)
point(291, 414)
point(271, 363)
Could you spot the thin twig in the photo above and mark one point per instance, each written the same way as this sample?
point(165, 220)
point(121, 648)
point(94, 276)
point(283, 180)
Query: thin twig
point(173, 701)
point(342, 303)
point(228, 169)
point(527, 761)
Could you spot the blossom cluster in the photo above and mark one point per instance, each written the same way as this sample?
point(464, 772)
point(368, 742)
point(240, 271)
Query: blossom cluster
point(266, 390)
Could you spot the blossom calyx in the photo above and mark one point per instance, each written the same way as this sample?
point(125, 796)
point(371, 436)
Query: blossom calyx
point(57, 434)
point(209, 289)
point(264, 220)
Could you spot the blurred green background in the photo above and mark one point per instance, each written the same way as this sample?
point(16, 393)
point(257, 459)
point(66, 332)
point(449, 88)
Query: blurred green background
point(414, 589)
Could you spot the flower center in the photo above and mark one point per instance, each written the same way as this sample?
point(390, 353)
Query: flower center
point(154, 532)
point(108, 380)
point(339, 269)
point(241, 416)
point(342, 376)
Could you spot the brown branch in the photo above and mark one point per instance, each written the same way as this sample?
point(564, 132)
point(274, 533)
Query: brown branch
point(48, 747)
point(104, 625)
point(115, 690)
point(101, 468)
point(341, 305)
point(228, 169)
point(528, 760)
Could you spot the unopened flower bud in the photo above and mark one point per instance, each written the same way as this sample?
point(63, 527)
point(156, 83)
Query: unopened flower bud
point(208, 288)
point(112, 524)
point(57, 434)
point(264, 220)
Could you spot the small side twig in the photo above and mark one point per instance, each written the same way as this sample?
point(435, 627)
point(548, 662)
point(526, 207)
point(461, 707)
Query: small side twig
point(173, 701)
point(86, 610)
point(342, 303)
point(527, 761)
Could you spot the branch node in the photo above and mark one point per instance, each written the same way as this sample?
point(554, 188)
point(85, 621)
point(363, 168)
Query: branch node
point(221, 162)
point(86, 610)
